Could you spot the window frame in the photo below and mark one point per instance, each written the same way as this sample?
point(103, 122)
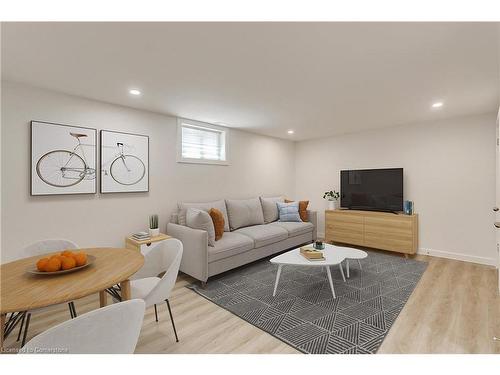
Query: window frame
point(224, 133)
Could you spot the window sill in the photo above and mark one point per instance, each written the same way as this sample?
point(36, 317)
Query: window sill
point(203, 161)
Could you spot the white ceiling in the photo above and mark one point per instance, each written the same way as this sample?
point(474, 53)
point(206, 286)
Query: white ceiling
point(319, 79)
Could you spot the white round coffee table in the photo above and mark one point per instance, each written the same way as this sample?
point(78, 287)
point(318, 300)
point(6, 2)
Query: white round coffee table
point(349, 253)
point(334, 255)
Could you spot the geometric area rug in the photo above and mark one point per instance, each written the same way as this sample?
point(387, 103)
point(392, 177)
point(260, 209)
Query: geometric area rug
point(304, 313)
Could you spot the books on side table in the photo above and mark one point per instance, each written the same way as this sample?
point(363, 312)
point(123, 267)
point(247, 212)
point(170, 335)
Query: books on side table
point(311, 254)
point(141, 236)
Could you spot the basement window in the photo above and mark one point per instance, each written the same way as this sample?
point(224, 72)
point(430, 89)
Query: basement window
point(199, 142)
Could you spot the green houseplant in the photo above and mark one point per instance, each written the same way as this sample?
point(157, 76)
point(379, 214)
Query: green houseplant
point(332, 197)
point(153, 226)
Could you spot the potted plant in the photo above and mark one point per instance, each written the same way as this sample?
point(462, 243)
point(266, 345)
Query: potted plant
point(332, 197)
point(153, 226)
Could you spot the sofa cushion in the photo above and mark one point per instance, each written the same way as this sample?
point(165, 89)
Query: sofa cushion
point(244, 212)
point(289, 211)
point(302, 209)
point(199, 219)
point(270, 208)
point(294, 228)
point(218, 220)
point(230, 244)
point(220, 205)
point(265, 234)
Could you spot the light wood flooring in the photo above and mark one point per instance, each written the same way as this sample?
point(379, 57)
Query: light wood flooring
point(454, 309)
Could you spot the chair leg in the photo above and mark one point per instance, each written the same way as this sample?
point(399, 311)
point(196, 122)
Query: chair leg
point(21, 328)
point(72, 309)
point(156, 313)
point(26, 329)
point(172, 319)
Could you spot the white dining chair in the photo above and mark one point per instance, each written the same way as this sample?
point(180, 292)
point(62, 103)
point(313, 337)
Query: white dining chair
point(40, 248)
point(150, 285)
point(113, 329)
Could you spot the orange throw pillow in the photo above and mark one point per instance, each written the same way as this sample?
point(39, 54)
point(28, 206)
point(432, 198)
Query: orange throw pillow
point(302, 209)
point(218, 220)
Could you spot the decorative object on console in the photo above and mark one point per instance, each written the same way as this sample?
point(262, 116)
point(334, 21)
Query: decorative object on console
point(302, 208)
point(408, 207)
point(153, 226)
point(218, 221)
point(311, 254)
point(124, 162)
point(332, 197)
point(319, 245)
point(289, 212)
point(63, 159)
point(200, 219)
point(140, 236)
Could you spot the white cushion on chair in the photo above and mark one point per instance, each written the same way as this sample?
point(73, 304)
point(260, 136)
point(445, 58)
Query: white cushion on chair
point(142, 287)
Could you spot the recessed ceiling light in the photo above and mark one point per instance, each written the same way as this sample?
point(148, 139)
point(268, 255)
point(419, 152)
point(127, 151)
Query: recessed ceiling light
point(134, 92)
point(437, 105)
point(290, 132)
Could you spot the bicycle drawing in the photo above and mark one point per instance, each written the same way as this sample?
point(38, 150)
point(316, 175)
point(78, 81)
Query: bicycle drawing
point(63, 159)
point(125, 169)
point(124, 162)
point(63, 168)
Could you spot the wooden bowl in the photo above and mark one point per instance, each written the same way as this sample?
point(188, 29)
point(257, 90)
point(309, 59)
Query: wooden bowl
point(34, 271)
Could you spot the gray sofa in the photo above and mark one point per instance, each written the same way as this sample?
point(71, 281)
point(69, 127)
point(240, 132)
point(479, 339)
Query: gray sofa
point(241, 243)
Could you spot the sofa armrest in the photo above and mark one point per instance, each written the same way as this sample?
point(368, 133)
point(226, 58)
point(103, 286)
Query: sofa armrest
point(195, 255)
point(312, 217)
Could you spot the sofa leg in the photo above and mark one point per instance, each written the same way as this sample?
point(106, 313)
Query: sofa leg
point(203, 284)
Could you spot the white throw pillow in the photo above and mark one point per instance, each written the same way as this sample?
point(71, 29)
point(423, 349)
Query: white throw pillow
point(199, 219)
point(220, 205)
point(270, 208)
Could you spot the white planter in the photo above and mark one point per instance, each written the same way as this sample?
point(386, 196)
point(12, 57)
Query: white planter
point(333, 205)
point(154, 232)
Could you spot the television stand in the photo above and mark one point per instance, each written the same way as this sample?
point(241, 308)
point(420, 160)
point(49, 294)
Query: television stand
point(374, 210)
point(379, 230)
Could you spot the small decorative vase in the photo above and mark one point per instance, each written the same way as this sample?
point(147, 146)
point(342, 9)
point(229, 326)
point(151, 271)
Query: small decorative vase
point(333, 205)
point(154, 232)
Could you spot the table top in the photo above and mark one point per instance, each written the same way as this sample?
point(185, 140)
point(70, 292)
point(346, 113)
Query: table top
point(21, 291)
point(333, 255)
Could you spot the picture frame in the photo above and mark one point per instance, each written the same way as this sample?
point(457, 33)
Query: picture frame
point(124, 162)
point(63, 159)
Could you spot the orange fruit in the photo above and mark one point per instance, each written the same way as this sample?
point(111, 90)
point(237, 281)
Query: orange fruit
point(67, 253)
point(80, 258)
point(54, 264)
point(68, 263)
point(41, 264)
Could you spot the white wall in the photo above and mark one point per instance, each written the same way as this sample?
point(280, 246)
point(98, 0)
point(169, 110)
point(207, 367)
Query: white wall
point(259, 165)
point(449, 173)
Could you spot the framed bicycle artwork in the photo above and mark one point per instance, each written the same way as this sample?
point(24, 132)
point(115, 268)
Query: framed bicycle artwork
point(124, 162)
point(63, 159)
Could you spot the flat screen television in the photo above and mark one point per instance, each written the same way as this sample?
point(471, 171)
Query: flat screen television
point(372, 189)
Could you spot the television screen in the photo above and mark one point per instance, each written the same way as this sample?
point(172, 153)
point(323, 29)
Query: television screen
point(372, 189)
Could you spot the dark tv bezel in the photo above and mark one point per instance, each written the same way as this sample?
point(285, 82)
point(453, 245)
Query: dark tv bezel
point(363, 208)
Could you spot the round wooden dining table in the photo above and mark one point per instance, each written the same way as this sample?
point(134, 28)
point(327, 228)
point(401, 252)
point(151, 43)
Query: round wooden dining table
point(23, 291)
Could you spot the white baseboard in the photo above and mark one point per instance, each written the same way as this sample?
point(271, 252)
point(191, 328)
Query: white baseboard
point(449, 255)
point(458, 256)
